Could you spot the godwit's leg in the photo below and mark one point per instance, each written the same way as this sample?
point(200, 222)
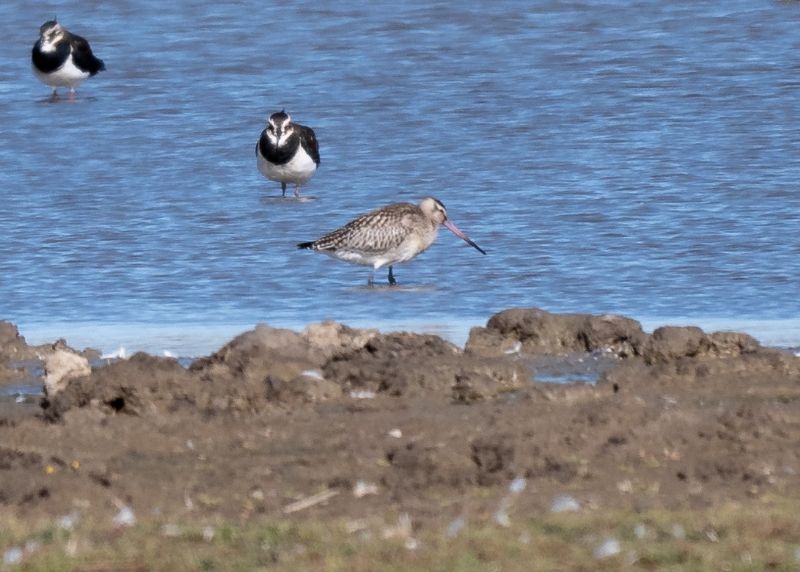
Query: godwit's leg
point(392, 281)
point(297, 191)
point(370, 281)
point(72, 94)
point(283, 188)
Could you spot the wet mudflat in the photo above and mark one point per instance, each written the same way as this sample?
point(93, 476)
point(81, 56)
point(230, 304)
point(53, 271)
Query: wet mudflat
point(365, 438)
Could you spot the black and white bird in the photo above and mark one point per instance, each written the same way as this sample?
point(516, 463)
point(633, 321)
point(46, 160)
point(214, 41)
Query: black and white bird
point(287, 152)
point(63, 59)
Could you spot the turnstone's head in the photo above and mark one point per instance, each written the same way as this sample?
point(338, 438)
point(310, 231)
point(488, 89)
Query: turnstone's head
point(280, 128)
point(51, 32)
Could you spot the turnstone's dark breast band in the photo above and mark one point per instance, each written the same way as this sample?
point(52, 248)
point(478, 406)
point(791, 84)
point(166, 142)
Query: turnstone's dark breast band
point(63, 59)
point(287, 152)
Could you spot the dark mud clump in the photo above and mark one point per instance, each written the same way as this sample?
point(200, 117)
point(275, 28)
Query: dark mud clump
point(405, 364)
point(535, 331)
point(140, 385)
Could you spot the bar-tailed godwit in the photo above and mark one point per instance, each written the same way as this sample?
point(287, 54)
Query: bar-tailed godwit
point(387, 236)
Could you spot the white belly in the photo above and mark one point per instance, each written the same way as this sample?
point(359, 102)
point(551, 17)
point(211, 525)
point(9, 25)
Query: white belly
point(408, 249)
point(298, 171)
point(66, 76)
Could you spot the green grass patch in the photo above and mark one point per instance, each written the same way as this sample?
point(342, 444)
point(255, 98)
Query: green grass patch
point(761, 536)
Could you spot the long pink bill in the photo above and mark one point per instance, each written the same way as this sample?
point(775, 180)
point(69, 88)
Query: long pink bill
point(455, 230)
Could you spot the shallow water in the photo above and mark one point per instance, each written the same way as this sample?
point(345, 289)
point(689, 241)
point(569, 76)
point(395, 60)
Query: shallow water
point(635, 158)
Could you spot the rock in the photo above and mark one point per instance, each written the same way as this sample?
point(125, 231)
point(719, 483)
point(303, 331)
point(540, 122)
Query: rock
point(486, 379)
point(136, 386)
point(670, 342)
point(12, 345)
point(263, 366)
point(541, 332)
point(396, 364)
point(305, 388)
point(733, 344)
point(260, 353)
point(61, 344)
point(420, 364)
point(488, 342)
point(62, 366)
point(274, 365)
point(618, 335)
point(687, 355)
point(14, 348)
point(332, 338)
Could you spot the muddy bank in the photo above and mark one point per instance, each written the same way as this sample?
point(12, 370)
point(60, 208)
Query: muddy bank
point(21, 363)
point(402, 422)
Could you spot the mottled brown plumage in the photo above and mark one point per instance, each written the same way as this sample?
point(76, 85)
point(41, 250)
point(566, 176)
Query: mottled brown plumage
point(388, 235)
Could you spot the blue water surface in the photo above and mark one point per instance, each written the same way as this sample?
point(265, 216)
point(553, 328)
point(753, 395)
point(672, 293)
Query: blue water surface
point(640, 158)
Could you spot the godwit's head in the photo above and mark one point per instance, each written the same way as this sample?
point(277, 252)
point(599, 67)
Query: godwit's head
point(436, 213)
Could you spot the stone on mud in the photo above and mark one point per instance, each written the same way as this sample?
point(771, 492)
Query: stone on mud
point(487, 379)
point(136, 386)
point(61, 367)
point(421, 364)
point(686, 354)
point(333, 339)
point(262, 366)
point(12, 345)
point(669, 343)
point(540, 332)
point(305, 388)
point(257, 354)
